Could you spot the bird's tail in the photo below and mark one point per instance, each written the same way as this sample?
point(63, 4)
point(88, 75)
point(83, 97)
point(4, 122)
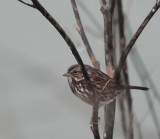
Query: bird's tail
point(131, 87)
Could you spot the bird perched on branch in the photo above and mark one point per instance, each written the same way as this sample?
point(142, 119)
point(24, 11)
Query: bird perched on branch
point(105, 87)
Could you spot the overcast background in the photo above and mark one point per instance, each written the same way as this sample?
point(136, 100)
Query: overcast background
point(35, 99)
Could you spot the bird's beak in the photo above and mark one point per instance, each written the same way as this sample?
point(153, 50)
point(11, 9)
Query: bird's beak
point(66, 74)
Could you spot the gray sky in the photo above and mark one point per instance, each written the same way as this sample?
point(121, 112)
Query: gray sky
point(35, 99)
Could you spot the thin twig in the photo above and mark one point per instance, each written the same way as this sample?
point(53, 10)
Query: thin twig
point(30, 5)
point(122, 107)
point(90, 16)
point(133, 40)
point(94, 120)
point(121, 98)
point(125, 70)
point(83, 35)
point(96, 33)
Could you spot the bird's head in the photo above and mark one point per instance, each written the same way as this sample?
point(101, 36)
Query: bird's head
point(75, 73)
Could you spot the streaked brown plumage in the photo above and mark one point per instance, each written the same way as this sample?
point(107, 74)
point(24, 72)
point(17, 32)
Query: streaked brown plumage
point(106, 87)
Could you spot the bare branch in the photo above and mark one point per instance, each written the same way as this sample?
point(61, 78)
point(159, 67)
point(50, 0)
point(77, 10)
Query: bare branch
point(107, 11)
point(83, 35)
point(65, 37)
point(125, 71)
point(91, 17)
point(109, 114)
point(107, 8)
point(123, 116)
point(94, 120)
point(30, 5)
point(133, 40)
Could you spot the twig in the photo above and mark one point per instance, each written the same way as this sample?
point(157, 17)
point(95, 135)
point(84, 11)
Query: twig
point(122, 107)
point(30, 5)
point(125, 71)
point(109, 114)
point(96, 33)
point(90, 16)
point(121, 98)
point(83, 35)
point(94, 120)
point(107, 8)
point(133, 40)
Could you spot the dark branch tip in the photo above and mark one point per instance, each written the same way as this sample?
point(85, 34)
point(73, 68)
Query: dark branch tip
point(27, 4)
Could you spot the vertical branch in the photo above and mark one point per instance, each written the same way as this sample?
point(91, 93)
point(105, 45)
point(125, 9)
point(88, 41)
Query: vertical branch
point(123, 114)
point(109, 114)
point(90, 16)
point(83, 35)
point(121, 99)
point(94, 119)
point(107, 8)
point(125, 70)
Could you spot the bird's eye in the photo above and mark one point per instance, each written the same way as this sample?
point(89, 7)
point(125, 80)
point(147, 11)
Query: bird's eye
point(75, 72)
